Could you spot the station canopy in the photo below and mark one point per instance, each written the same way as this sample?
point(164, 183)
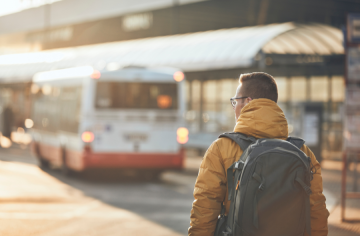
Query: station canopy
point(201, 51)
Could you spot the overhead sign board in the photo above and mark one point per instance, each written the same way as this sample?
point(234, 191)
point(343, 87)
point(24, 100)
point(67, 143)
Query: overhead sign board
point(353, 28)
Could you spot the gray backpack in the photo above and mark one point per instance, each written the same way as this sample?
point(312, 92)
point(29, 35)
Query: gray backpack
point(269, 188)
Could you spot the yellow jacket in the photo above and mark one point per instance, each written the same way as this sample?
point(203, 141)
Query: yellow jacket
point(261, 118)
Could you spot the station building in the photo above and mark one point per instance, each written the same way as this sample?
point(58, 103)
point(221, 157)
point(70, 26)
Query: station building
point(213, 42)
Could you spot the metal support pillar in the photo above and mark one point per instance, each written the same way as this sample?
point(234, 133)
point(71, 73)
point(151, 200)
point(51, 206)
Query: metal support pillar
point(201, 107)
point(308, 89)
point(190, 105)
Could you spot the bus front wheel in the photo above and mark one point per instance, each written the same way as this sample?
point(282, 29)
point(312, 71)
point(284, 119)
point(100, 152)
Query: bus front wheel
point(64, 168)
point(43, 163)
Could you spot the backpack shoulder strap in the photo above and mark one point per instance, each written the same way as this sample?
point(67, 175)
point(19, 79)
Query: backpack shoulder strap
point(235, 170)
point(298, 142)
point(242, 140)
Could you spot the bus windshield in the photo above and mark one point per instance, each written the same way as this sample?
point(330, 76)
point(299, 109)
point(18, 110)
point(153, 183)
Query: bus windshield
point(136, 95)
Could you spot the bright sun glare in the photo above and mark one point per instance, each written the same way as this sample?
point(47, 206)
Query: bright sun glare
point(12, 6)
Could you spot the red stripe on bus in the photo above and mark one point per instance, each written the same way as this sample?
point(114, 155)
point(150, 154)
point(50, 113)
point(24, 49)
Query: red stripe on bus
point(87, 159)
point(135, 160)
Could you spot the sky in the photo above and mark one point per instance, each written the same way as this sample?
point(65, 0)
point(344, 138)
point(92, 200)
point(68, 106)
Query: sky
point(12, 6)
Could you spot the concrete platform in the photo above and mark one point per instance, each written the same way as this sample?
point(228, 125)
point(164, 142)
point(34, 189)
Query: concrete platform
point(35, 203)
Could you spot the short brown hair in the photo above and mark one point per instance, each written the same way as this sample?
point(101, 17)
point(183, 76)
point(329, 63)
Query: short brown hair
point(259, 85)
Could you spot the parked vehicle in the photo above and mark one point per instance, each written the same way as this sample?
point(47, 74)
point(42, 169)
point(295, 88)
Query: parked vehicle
point(131, 118)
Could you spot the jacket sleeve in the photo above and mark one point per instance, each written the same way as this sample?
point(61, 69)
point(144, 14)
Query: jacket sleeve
point(209, 192)
point(319, 213)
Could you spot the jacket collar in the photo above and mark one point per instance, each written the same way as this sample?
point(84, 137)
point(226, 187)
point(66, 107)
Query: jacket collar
point(262, 118)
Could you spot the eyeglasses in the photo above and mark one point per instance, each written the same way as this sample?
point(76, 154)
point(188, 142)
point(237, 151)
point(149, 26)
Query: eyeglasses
point(234, 102)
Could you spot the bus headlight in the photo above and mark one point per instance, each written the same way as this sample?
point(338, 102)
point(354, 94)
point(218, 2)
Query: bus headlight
point(87, 137)
point(182, 135)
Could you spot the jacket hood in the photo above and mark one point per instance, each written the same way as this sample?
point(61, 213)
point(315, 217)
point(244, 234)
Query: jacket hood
point(262, 118)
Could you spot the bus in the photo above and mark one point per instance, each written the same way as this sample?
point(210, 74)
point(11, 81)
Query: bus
point(130, 118)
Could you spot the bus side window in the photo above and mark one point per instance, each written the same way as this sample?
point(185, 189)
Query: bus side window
point(46, 110)
point(103, 96)
point(70, 105)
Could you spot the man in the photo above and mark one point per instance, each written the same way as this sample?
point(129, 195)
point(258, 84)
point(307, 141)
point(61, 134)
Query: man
point(257, 114)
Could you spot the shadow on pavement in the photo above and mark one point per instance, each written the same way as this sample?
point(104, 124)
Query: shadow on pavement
point(108, 176)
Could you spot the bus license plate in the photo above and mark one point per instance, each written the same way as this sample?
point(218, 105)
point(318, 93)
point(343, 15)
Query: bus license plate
point(136, 137)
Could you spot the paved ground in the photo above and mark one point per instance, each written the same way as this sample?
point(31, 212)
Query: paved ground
point(35, 203)
point(104, 204)
point(332, 184)
point(166, 202)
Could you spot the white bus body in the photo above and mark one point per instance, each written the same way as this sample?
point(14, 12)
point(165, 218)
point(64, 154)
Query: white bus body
point(130, 118)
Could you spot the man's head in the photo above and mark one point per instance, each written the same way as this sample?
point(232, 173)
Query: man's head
point(253, 86)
